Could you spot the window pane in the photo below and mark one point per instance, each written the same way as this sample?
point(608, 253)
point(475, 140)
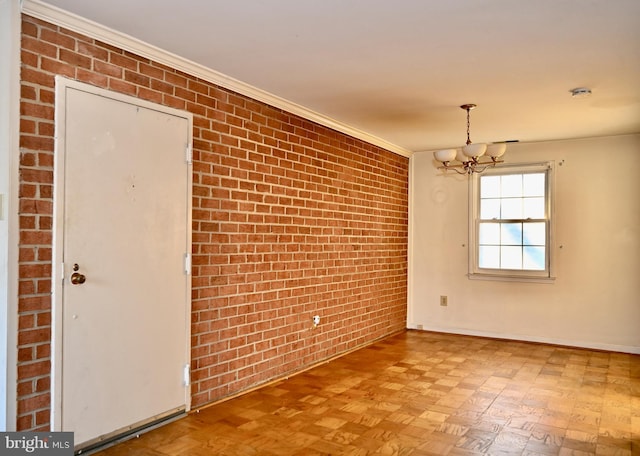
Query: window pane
point(511, 233)
point(534, 258)
point(489, 257)
point(489, 209)
point(511, 257)
point(533, 184)
point(489, 186)
point(534, 208)
point(513, 221)
point(489, 233)
point(511, 185)
point(534, 234)
point(511, 208)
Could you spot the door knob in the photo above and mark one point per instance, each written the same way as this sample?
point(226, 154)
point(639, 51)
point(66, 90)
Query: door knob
point(76, 277)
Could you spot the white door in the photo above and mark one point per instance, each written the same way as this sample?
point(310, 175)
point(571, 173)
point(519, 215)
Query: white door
point(122, 294)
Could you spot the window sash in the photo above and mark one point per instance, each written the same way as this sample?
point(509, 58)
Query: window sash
point(524, 246)
point(525, 271)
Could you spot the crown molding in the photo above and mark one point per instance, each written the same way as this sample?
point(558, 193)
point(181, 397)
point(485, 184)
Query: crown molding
point(73, 22)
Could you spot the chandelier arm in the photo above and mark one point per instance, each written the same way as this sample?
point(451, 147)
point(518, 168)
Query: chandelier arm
point(483, 168)
point(460, 169)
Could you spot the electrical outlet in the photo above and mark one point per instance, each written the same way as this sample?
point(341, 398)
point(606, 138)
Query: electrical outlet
point(316, 320)
point(444, 301)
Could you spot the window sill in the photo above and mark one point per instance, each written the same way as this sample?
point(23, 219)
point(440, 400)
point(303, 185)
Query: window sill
point(511, 278)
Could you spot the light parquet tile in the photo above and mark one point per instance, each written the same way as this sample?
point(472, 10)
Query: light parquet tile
point(420, 394)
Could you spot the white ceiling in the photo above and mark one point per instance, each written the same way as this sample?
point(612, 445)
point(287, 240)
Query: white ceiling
point(399, 70)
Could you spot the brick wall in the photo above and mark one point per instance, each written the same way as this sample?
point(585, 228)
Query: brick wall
point(290, 219)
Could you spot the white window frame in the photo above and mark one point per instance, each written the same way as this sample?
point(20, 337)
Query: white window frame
point(475, 272)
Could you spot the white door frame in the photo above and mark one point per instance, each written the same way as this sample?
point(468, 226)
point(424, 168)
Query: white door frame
point(58, 229)
point(9, 229)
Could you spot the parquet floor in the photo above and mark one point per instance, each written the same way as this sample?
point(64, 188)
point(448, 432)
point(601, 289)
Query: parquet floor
point(421, 393)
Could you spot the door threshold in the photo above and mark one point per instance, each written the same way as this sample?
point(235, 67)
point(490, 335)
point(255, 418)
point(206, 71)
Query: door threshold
point(130, 432)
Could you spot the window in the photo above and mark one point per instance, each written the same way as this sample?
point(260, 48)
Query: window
point(511, 223)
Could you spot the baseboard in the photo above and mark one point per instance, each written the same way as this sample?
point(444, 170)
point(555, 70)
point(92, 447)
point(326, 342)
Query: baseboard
point(542, 340)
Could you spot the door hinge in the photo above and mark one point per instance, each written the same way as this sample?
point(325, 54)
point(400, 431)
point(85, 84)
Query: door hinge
point(186, 375)
point(187, 263)
point(189, 154)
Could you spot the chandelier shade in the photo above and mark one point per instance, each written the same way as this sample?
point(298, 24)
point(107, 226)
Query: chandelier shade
point(496, 150)
point(469, 155)
point(445, 155)
point(474, 150)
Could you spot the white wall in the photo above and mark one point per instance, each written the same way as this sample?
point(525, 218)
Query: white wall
point(594, 301)
point(9, 112)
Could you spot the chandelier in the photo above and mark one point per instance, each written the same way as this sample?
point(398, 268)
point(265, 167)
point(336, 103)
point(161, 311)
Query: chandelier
point(468, 156)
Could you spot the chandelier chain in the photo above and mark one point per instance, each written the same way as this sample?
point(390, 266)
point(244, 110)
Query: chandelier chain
point(468, 126)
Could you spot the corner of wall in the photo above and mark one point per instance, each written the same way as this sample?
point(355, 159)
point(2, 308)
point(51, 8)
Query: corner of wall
point(9, 157)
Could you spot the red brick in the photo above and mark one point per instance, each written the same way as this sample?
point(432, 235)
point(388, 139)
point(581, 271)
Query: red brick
point(177, 80)
point(33, 403)
point(25, 423)
point(287, 219)
point(92, 50)
point(168, 89)
point(90, 77)
point(35, 237)
point(36, 369)
point(43, 351)
point(122, 86)
point(136, 78)
point(46, 129)
point(33, 303)
point(26, 354)
point(56, 67)
point(149, 95)
point(29, 28)
point(42, 418)
point(26, 287)
point(123, 62)
point(37, 77)
point(35, 206)
point(27, 222)
point(47, 96)
point(33, 336)
point(107, 69)
point(36, 142)
point(25, 388)
point(56, 38)
point(28, 92)
point(151, 71)
point(36, 110)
